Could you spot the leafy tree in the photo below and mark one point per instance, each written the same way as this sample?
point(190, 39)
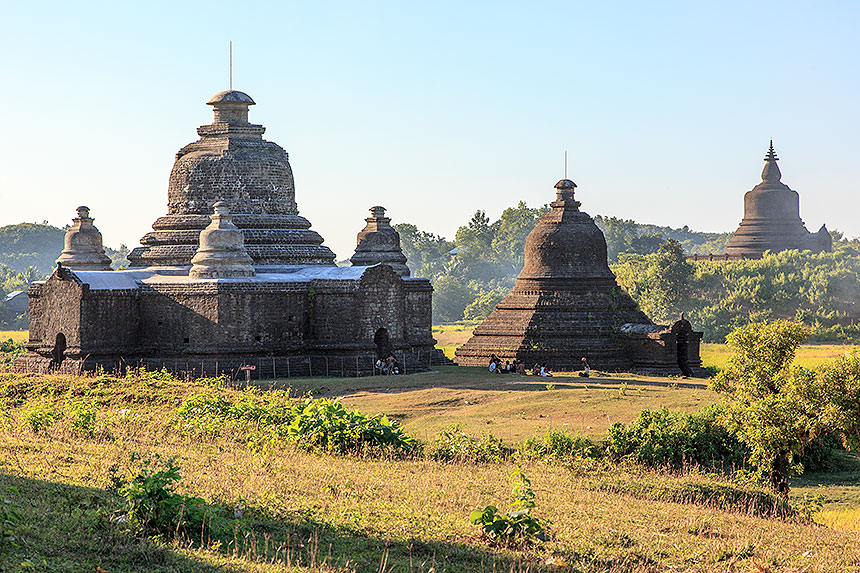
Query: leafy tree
point(426, 254)
point(778, 410)
point(450, 298)
point(30, 245)
point(660, 282)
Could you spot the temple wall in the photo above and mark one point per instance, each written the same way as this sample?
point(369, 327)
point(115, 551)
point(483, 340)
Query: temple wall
point(55, 308)
point(112, 322)
point(419, 312)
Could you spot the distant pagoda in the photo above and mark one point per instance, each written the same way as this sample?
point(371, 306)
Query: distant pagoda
point(772, 219)
point(565, 304)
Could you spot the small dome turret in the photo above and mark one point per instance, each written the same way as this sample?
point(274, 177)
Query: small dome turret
point(83, 245)
point(379, 242)
point(222, 251)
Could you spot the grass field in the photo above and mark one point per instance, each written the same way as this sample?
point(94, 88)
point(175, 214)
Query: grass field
point(509, 406)
point(15, 335)
point(282, 509)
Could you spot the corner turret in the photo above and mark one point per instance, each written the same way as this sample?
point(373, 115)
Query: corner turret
point(379, 242)
point(83, 245)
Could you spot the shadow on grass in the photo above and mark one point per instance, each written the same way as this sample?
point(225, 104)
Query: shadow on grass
point(462, 378)
point(67, 528)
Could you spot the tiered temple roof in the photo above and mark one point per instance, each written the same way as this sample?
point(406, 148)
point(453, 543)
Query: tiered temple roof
point(232, 163)
point(565, 304)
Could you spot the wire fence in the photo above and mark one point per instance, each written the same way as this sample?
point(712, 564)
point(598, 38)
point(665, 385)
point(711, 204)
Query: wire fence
point(235, 367)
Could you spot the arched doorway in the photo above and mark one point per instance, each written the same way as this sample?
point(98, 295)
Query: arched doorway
point(383, 343)
point(58, 353)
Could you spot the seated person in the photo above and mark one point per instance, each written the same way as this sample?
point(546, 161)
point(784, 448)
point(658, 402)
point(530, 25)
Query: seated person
point(586, 370)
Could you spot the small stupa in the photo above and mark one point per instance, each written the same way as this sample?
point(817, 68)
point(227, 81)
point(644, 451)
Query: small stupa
point(83, 245)
point(378, 243)
point(772, 219)
point(221, 253)
point(565, 304)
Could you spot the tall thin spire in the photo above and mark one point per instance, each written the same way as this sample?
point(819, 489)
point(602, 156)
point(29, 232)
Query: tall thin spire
point(230, 65)
point(771, 171)
point(771, 154)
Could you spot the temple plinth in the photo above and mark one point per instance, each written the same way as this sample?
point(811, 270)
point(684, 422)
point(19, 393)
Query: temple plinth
point(772, 219)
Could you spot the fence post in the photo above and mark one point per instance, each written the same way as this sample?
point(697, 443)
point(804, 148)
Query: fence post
point(326, 366)
point(288, 366)
point(274, 376)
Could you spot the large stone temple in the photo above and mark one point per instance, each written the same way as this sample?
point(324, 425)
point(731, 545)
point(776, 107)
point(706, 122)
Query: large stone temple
point(231, 276)
point(566, 305)
point(772, 219)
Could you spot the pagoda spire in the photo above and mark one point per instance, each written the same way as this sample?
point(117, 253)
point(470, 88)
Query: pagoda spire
point(771, 172)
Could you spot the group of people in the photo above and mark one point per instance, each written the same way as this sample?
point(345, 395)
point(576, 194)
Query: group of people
point(388, 365)
point(539, 369)
point(496, 366)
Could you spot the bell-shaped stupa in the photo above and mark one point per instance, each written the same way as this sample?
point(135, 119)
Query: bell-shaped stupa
point(232, 163)
point(221, 253)
point(83, 248)
point(772, 219)
point(565, 304)
point(378, 243)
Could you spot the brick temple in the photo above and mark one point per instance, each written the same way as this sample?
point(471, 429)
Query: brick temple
point(232, 275)
point(771, 220)
point(566, 305)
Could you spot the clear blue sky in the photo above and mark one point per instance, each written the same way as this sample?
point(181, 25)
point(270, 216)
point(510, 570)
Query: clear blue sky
point(436, 109)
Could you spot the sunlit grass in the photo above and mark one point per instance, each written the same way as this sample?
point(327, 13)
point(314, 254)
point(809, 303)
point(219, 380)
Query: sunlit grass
point(839, 519)
point(15, 335)
point(808, 355)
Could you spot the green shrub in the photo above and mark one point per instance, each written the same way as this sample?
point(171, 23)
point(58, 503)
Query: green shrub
point(324, 425)
point(664, 438)
point(557, 445)
point(155, 507)
point(516, 526)
point(453, 445)
point(82, 418)
point(41, 415)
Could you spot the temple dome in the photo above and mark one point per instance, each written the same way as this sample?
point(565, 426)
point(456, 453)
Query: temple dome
point(233, 164)
point(565, 243)
point(772, 218)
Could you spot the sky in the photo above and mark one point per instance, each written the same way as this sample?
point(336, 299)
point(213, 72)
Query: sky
point(437, 109)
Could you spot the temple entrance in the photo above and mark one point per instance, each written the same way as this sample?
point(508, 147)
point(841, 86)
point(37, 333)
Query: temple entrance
point(383, 344)
point(58, 353)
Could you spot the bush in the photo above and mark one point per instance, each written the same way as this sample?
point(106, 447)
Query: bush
point(664, 438)
point(556, 445)
point(40, 416)
point(155, 507)
point(324, 425)
point(453, 445)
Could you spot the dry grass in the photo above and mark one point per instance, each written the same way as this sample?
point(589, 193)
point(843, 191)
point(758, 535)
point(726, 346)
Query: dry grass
point(808, 355)
point(15, 335)
point(839, 519)
point(450, 336)
point(324, 513)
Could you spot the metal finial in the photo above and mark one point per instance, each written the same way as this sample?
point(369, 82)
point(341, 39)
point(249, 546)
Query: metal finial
point(565, 163)
point(230, 65)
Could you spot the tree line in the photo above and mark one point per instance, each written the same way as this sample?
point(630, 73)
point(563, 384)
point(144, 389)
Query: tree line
point(473, 272)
